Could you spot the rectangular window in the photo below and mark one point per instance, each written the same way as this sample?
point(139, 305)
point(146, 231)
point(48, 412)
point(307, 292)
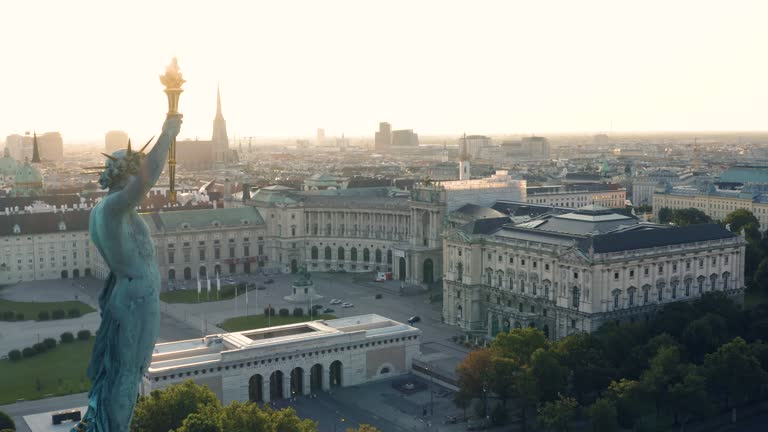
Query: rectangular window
point(701, 263)
point(573, 323)
point(575, 275)
point(511, 260)
point(217, 253)
point(522, 262)
point(231, 252)
point(725, 260)
point(202, 254)
point(674, 268)
point(499, 258)
point(187, 256)
point(645, 271)
point(171, 257)
point(631, 273)
point(246, 251)
point(261, 249)
point(661, 269)
point(534, 264)
point(615, 275)
point(688, 265)
point(546, 266)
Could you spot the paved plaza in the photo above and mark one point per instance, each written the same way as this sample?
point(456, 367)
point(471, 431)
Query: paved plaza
point(378, 403)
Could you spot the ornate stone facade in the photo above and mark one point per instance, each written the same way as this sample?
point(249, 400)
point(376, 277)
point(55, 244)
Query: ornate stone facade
point(574, 272)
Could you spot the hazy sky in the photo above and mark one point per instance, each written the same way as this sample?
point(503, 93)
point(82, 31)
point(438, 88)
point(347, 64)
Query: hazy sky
point(289, 67)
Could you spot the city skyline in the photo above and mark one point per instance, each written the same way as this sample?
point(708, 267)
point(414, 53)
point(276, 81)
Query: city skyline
point(288, 69)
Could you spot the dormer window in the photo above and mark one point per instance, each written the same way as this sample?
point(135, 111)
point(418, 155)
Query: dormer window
point(244, 222)
point(216, 224)
point(62, 226)
point(16, 229)
point(185, 226)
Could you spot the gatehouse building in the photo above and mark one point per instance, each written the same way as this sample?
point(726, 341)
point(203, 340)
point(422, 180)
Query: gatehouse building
point(286, 361)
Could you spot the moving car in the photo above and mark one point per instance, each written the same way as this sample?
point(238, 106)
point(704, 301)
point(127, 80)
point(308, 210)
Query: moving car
point(269, 281)
point(414, 319)
point(328, 310)
point(261, 287)
point(347, 305)
point(335, 301)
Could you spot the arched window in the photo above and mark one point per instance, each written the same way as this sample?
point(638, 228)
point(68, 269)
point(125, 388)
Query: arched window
point(616, 298)
point(314, 252)
point(389, 256)
point(547, 283)
point(340, 254)
point(488, 276)
point(534, 288)
point(327, 252)
point(700, 281)
point(314, 229)
point(522, 286)
point(660, 291)
point(726, 276)
point(366, 255)
point(631, 296)
point(353, 254)
point(293, 230)
point(687, 284)
point(511, 283)
point(459, 313)
point(377, 254)
point(459, 272)
point(675, 283)
point(499, 279)
point(328, 229)
point(646, 291)
point(575, 297)
point(713, 282)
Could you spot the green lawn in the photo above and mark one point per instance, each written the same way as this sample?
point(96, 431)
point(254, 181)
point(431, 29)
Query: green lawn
point(190, 295)
point(258, 321)
point(57, 372)
point(31, 309)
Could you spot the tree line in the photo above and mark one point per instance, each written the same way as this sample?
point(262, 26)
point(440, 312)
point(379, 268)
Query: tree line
point(691, 361)
point(189, 407)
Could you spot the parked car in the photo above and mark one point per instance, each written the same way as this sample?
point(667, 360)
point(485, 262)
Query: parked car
point(261, 287)
point(317, 306)
point(347, 305)
point(378, 296)
point(269, 281)
point(328, 310)
point(414, 319)
point(335, 301)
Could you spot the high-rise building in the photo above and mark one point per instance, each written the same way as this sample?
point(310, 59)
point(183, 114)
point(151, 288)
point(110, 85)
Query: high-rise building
point(50, 146)
point(383, 138)
point(114, 141)
point(320, 137)
point(405, 138)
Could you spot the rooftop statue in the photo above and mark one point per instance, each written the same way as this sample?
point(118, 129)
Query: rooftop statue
point(129, 302)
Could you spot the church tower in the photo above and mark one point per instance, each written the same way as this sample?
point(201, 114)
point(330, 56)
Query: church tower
point(35, 149)
point(464, 164)
point(220, 139)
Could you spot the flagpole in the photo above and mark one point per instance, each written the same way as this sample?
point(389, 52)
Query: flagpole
point(218, 286)
point(198, 288)
point(246, 299)
point(208, 290)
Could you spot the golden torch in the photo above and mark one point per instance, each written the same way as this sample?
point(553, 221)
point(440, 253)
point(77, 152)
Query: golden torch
point(172, 81)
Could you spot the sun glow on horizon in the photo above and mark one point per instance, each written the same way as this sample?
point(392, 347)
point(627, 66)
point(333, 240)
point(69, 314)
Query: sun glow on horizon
point(440, 67)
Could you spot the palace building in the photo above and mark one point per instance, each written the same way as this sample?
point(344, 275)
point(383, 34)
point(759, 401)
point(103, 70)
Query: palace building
point(280, 362)
point(572, 272)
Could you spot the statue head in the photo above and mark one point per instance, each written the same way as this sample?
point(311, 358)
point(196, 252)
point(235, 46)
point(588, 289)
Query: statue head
point(120, 166)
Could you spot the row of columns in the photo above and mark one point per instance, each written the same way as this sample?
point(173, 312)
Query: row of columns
point(306, 384)
point(394, 221)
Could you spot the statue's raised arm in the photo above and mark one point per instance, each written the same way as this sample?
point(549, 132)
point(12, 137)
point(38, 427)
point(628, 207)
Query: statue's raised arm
point(129, 175)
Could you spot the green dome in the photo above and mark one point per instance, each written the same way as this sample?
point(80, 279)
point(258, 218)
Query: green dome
point(27, 174)
point(8, 166)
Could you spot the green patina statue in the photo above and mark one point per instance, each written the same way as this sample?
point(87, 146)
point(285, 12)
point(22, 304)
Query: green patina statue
point(303, 278)
point(129, 302)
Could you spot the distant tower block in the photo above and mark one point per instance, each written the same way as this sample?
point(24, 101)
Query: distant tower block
point(465, 168)
point(320, 137)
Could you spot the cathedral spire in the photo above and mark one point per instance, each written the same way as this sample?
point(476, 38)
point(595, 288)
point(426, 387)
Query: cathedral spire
point(218, 102)
point(35, 149)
